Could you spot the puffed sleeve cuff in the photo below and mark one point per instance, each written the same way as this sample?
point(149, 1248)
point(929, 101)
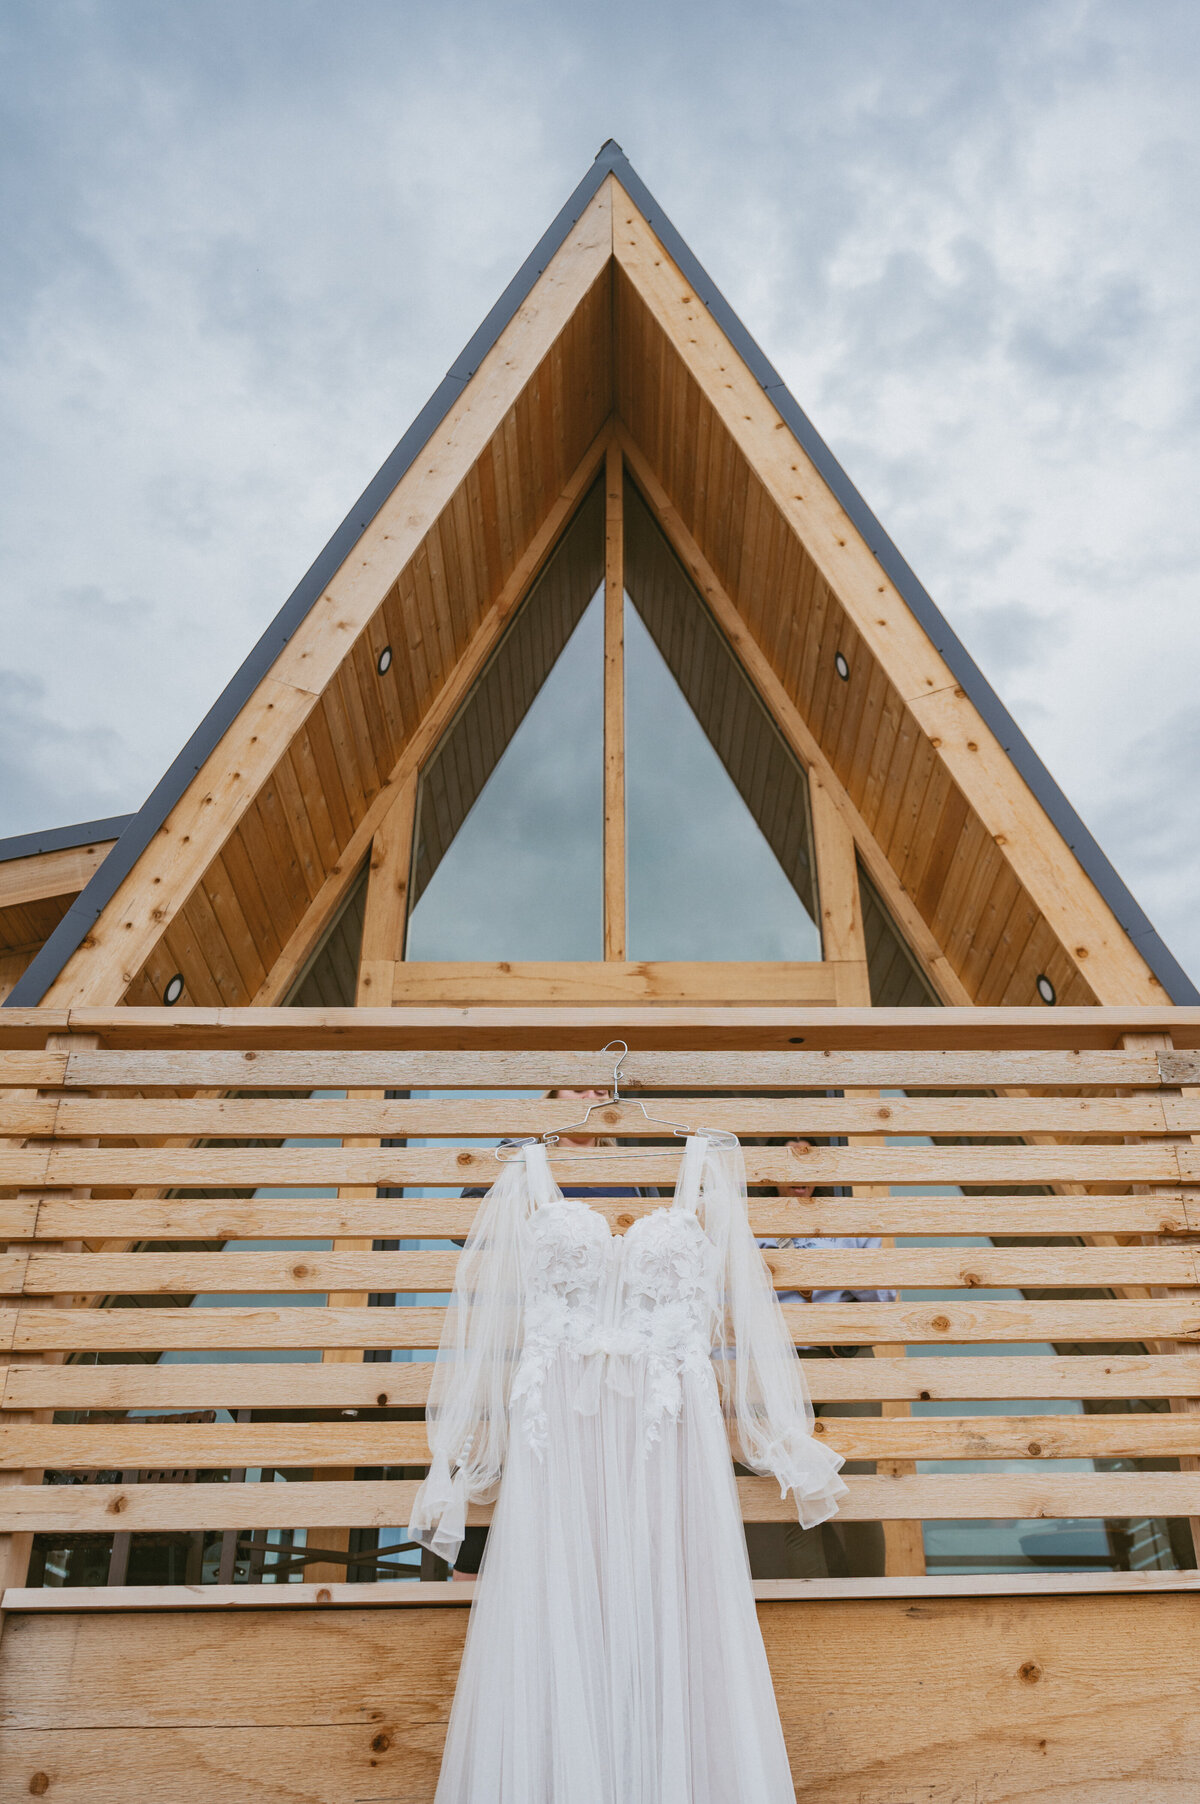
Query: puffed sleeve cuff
point(439, 1513)
point(809, 1470)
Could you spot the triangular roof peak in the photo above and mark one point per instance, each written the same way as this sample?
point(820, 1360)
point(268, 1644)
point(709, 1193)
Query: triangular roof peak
point(611, 328)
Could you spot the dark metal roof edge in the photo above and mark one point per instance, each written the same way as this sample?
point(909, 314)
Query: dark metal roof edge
point(142, 827)
point(610, 160)
point(1129, 913)
point(63, 839)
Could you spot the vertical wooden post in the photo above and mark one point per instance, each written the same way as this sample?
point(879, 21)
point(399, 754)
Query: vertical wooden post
point(842, 941)
point(384, 919)
point(614, 704)
point(1188, 1406)
point(838, 900)
point(15, 1549)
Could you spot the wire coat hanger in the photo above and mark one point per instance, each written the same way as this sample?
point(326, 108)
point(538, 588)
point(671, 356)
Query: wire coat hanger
point(514, 1149)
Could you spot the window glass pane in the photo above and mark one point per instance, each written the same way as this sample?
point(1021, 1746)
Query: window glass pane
point(719, 842)
point(508, 855)
point(523, 876)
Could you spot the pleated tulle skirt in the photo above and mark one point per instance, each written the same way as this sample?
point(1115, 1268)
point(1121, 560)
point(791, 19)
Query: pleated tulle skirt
point(613, 1654)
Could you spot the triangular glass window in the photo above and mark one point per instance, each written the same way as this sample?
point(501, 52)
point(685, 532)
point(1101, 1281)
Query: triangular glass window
point(508, 855)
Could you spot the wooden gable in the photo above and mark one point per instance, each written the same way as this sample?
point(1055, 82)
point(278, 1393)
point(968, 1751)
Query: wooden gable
point(610, 340)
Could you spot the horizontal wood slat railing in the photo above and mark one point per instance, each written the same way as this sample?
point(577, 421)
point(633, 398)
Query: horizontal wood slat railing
point(98, 1140)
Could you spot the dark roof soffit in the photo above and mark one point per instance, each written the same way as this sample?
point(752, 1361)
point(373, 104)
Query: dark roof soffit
point(610, 160)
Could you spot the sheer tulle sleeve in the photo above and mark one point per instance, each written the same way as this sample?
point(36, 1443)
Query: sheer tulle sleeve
point(467, 1413)
point(762, 1383)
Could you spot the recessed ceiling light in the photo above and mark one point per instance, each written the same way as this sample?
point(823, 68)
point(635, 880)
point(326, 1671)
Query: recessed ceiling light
point(383, 662)
point(174, 990)
point(1046, 990)
point(841, 666)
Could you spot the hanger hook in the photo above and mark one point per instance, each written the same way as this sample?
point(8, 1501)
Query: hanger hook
point(616, 1079)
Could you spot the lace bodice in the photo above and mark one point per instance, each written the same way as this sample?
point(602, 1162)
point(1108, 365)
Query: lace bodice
point(652, 1296)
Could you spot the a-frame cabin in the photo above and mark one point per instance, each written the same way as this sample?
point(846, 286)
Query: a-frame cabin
point(610, 710)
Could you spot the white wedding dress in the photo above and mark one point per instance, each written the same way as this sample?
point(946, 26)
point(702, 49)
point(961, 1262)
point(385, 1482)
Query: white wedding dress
point(613, 1654)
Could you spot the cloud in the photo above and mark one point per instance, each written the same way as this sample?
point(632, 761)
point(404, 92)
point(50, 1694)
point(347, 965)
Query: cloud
point(243, 243)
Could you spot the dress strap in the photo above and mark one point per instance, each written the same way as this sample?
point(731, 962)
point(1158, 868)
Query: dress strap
point(688, 1195)
point(537, 1170)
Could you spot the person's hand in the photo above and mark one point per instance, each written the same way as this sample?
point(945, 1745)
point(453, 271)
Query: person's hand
point(798, 1149)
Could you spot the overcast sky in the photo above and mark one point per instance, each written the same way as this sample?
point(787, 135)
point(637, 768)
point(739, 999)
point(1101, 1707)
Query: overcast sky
point(242, 243)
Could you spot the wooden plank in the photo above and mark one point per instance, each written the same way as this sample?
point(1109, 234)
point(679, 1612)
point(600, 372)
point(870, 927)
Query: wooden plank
point(56, 1166)
point(72, 1509)
point(64, 873)
point(402, 1069)
point(383, 1218)
point(182, 1273)
point(614, 704)
point(1067, 1697)
point(38, 1070)
point(224, 1447)
point(403, 1594)
point(308, 1385)
point(1078, 1029)
point(466, 982)
point(811, 1117)
point(840, 1324)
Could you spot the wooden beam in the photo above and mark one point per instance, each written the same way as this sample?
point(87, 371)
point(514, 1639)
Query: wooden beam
point(969, 1322)
point(842, 938)
point(44, 874)
point(306, 1384)
point(401, 1594)
point(468, 983)
point(386, 1503)
point(386, 913)
point(59, 1167)
point(614, 704)
point(40, 1218)
point(74, 1117)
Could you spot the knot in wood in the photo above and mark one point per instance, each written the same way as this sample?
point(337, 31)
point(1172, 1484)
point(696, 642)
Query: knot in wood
point(625, 1221)
point(465, 1158)
point(971, 1280)
point(382, 1398)
point(39, 1784)
point(941, 1322)
point(1029, 1673)
point(324, 1596)
point(1034, 1449)
point(380, 1743)
point(118, 1504)
point(299, 1271)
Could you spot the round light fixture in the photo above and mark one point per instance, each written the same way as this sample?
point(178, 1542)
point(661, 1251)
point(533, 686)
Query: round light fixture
point(841, 666)
point(174, 990)
point(1046, 990)
point(383, 662)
